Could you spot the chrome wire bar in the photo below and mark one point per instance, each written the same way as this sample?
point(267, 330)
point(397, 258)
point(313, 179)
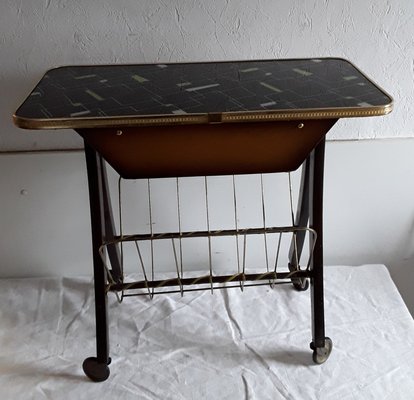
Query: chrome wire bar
point(179, 269)
point(179, 224)
point(214, 233)
point(210, 264)
point(143, 269)
point(264, 223)
point(151, 233)
point(277, 257)
point(236, 226)
point(222, 279)
point(199, 289)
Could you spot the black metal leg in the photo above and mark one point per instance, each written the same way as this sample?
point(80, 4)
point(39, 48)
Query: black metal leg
point(96, 368)
point(108, 228)
point(301, 219)
point(113, 249)
point(321, 345)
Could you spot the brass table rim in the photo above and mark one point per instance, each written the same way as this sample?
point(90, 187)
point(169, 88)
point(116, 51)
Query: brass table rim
point(225, 117)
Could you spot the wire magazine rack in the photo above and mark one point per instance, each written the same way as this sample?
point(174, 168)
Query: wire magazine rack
point(241, 276)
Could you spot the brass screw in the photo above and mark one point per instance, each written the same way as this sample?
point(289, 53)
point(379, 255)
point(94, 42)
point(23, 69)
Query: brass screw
point(301, 125)
point(118, 133)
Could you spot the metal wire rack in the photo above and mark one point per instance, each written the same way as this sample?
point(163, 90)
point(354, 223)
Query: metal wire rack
point(241, 276)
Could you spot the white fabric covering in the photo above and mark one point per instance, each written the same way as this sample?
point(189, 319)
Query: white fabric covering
point(230, 345)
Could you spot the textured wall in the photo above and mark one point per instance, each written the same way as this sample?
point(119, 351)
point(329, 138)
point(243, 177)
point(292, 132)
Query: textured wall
point(36, 35)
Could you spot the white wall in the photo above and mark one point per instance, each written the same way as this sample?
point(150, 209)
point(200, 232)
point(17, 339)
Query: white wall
point(39, 34)
point(369, 199)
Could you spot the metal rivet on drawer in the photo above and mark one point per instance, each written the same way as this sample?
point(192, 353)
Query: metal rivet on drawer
point(118, 132)
point(301, 125)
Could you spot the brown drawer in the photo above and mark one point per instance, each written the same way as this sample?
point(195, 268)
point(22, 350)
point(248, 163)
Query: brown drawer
point(211, 149)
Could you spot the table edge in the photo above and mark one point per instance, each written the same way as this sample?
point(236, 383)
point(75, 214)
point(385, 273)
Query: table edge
point(211, 118)
point(206, 118)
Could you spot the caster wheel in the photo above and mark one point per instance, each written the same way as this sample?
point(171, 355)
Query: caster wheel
point(300, 285)
point(94, 370)
point(321, 354)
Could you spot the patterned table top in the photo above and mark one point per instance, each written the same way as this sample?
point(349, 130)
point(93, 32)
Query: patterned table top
point(160, 94)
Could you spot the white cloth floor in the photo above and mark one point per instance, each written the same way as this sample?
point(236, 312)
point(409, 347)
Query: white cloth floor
point(230, 345)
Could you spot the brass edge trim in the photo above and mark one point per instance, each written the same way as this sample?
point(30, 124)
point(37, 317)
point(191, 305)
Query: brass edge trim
point(110, 122)
point(279, 115)
point(310, 114)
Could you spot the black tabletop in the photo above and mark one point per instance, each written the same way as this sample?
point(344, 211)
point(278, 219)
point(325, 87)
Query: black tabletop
point(151, 94)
